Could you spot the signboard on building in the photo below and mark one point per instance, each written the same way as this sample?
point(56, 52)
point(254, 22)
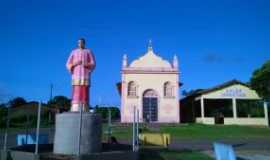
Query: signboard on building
point(233, 92)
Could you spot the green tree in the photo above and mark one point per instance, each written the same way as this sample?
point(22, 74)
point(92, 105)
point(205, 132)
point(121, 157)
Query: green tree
point(104, 112)
point(18, 101)
point(260, 80)
point(61, 102)
point(3, 113)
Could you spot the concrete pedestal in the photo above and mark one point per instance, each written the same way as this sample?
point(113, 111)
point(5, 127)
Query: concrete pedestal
point(66, 139)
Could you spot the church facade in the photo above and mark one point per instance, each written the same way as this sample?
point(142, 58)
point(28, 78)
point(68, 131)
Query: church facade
point(151, 85)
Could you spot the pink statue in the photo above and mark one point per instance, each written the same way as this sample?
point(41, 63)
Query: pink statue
point(80, 64)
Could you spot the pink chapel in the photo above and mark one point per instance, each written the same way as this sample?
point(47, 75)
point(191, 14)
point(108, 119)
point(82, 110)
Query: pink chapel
point(151, 85)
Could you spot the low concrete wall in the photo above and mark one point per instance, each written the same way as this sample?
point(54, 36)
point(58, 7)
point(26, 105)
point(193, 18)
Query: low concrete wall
point(3, 155)
point(18, 155)
point(246, 121)
point(235, 121)
point(198, 120)
point(109, 152)
point(115, 155)
point(206, 120)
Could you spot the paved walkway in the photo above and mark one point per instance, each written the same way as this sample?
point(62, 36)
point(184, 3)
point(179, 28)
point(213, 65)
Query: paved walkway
point(254, 157)
point(247, 155)
point(202, 145)
point(246, 149)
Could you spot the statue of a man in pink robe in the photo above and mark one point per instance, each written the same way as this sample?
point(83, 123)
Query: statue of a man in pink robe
point(80, 63)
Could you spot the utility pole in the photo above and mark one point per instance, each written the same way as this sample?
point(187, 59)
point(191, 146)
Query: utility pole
point(7, 128)
point(80, 129)
point(150, 110)
point(38, 125)
point(27, 127)
point(137, 131)
point(109, 124)
point(51, 91)
point(133, 129)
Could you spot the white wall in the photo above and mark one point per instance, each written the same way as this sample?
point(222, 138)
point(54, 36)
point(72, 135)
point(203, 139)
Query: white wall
point(237, 121)
point(246, 121)
point(205, 120)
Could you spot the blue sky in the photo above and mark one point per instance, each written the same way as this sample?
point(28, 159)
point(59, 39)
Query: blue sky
point(215, 41)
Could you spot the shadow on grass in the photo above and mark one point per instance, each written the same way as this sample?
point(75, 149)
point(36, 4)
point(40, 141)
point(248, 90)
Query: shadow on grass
point(239, 158)
point(148, 154)
point(166, 154)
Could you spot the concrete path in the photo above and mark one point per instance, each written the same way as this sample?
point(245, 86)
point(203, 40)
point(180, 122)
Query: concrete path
point(202, 145)
point(254, 157)
point(246, 149)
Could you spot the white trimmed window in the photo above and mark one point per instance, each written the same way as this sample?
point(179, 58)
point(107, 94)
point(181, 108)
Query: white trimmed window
point(168, 89)
point(132, 89)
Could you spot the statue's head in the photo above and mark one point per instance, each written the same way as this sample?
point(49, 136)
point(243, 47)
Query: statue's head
point(81, 43)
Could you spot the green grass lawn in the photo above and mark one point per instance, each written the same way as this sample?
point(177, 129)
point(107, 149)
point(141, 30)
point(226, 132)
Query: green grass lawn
point(173, 155)
point(188, 131)
point(198, 131)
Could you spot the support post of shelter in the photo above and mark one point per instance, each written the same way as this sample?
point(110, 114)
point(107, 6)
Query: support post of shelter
point(266, 112)
point(234, 108)
point(202, 107)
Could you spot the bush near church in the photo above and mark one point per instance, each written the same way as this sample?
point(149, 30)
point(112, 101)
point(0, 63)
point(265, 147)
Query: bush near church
point(23, 116)
point(16, 102)
point(260, 80)
point(60, 102)
point(3, 112)
point(22, 111)
point(104, 111)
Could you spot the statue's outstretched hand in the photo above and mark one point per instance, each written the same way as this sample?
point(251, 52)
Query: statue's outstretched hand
point(71, 70)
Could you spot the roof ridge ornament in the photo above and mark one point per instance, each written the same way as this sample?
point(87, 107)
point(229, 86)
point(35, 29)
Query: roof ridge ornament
point(150, 46)
point(125, 61)
point(150, 60)
point(175, 61)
